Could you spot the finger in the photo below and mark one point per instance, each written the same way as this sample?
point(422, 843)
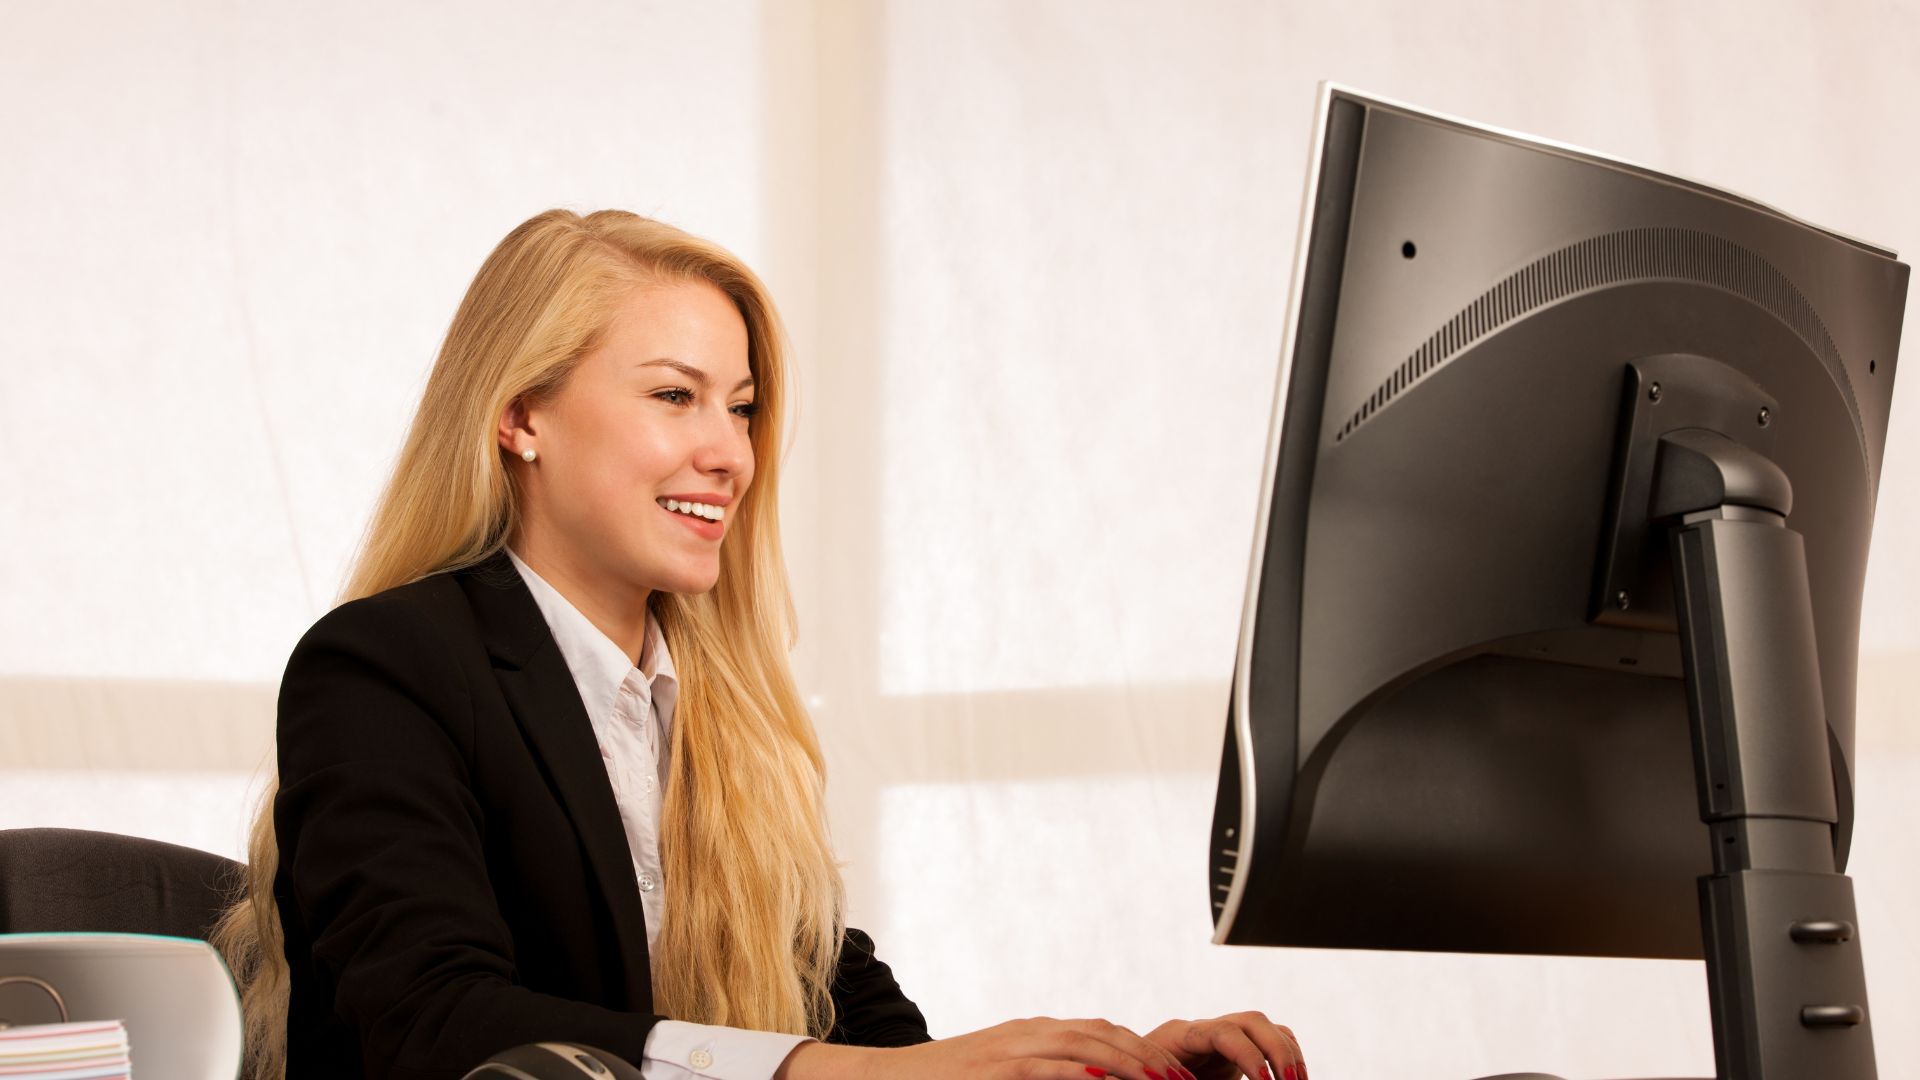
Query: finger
point(1276, 1041)
point(1213, 1039)
point(1159, 1051)
point(1068, 1041)
point(1225, 1038)
point(1162, 1062)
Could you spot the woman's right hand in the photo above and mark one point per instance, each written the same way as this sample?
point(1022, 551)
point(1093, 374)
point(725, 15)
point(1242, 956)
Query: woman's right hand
point(1037, 1049)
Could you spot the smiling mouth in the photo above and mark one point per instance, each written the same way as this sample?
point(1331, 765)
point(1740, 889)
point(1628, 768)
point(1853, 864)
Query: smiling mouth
point(705, 526)
point(675, 506)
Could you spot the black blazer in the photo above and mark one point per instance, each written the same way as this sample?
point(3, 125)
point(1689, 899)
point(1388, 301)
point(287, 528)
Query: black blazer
point(454, 879)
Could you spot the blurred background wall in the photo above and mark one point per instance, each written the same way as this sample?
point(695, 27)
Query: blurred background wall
point(1034, 256)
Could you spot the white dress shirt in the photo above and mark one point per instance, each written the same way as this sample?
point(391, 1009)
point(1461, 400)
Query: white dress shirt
point(631, 709)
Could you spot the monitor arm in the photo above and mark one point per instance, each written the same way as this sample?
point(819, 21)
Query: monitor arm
point(1785, 982)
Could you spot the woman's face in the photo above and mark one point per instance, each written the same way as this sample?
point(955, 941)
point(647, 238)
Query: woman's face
point(657, 412)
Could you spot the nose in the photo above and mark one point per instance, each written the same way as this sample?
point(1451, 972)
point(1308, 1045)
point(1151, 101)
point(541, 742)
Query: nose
point(723, 448)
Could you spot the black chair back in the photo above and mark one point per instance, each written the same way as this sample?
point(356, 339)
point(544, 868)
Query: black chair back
point(71, 879)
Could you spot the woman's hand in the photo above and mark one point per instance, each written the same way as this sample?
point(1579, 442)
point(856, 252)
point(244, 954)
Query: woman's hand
point(1241, 1044)
point(1037, 1049)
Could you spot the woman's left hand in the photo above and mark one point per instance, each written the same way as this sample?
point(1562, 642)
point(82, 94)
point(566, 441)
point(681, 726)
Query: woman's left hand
point(1242, 1044)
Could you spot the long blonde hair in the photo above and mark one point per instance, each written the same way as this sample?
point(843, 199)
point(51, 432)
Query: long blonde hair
point(753, 921)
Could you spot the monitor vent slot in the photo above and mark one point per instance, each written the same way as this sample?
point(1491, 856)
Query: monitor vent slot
point(1650, 254)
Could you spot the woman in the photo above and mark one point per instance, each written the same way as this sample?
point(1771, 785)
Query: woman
point(545, 774)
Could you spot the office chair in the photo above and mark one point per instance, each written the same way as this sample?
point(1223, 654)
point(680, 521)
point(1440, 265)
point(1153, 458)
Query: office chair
point(54, 880)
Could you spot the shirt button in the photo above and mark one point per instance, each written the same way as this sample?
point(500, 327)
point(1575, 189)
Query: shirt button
point(700, 1059)
point(647, 883)
point(649, 784)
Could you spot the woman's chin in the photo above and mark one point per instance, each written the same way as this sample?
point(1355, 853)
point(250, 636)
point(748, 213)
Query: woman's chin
point(689, 584)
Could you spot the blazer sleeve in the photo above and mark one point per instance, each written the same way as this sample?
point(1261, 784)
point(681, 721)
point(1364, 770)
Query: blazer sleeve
point(380, 835)
point(870, 1009)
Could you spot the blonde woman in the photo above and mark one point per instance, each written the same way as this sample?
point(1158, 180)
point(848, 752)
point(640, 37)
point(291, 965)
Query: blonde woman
point(544, 775)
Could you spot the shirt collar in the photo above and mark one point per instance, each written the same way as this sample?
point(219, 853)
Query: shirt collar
point(598, 665)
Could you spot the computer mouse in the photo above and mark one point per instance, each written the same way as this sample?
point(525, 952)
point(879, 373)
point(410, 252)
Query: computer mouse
point(554, 1061)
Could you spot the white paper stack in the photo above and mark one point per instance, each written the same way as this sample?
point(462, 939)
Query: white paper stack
point(86, 1050)
point(173, 996)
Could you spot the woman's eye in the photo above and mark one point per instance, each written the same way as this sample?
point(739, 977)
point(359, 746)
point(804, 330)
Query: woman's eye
point(682, 397)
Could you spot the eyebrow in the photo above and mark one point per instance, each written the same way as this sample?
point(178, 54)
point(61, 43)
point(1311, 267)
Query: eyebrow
point(699, 377)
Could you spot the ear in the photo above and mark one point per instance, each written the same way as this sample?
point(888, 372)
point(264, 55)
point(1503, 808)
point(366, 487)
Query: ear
point(515, 432)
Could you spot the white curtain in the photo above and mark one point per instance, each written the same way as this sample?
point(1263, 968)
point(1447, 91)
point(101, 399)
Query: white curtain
point(1034, 256)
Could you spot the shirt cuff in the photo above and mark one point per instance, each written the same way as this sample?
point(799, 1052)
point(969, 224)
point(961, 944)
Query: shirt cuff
point(677, 1050)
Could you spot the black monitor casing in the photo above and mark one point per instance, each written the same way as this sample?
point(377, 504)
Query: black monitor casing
point(1460, 713)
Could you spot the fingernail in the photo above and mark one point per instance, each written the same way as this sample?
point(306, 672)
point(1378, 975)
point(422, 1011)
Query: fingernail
point(1096, 1072)
point(1155, 1075)
point(1188, 1073)
point(1265, 1074)
point(1288, 1072)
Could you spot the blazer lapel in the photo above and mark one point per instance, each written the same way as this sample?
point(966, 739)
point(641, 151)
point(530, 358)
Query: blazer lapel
point(540, 691)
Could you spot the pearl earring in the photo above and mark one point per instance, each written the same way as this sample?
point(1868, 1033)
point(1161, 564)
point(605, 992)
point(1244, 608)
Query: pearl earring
point(529, 454)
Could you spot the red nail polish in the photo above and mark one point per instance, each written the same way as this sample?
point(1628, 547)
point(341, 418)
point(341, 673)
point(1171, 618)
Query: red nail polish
point(1155, 1075)
point(1096, 1072)
point(1288, 1072)
point(1265, 1073)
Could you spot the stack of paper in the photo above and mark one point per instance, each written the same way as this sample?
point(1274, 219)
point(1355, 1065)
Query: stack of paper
point(174, 996)
point(87, 1050)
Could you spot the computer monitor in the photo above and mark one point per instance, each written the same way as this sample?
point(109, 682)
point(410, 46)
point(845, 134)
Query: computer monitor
point(1520, 380)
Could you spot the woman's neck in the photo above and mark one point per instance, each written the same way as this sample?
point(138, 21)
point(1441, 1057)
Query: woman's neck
point(616, 611)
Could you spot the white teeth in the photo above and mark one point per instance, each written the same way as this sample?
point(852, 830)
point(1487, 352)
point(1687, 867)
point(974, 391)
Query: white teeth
point(711, 513)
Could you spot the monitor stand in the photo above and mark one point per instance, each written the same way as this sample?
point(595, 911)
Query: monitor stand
point(1785, 984)
point(1784, 976)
